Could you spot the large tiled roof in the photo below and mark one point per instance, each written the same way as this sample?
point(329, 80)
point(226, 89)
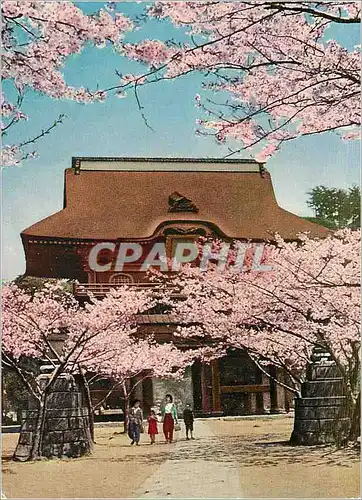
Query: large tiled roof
point(111, 204)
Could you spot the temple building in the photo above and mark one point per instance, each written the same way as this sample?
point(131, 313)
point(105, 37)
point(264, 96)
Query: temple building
point(144, 201)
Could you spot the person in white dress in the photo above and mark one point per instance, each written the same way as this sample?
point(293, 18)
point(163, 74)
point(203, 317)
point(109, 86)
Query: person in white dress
point(169, 418)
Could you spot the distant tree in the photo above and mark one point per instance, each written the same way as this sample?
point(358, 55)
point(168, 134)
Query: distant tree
point(336, 208)
point(355, 204)
point(14, 395)
point(321, 222)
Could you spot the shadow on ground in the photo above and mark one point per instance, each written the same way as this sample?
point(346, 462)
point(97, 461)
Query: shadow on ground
point(247, 451)
point(265, 450)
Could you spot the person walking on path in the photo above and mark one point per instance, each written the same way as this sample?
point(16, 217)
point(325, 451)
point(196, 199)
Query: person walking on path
point(152, 426)
point(188, 416)
point(135, 422)
point(169, 417)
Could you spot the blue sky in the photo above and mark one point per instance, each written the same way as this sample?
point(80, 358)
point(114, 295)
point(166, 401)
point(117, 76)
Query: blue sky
point(34, 190)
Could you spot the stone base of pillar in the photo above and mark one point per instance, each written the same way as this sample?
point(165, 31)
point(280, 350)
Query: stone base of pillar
point(67, 427)
point(320, 414)
point(320, 421)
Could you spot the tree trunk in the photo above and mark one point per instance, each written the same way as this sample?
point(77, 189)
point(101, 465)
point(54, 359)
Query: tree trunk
point(89, 404)
point(91, 423)
point(126, 412)
point(39, 428)
point(355, 430)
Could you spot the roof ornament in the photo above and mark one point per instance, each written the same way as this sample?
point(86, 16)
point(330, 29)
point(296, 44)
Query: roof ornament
point(179, 203)
point(263, 171)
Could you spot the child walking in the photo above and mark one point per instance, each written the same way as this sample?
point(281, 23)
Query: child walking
point(189, 421)
point(135, 422)
point(152, 426)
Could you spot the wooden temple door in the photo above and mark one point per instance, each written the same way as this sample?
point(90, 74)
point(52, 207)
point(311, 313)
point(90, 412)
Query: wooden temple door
point(240, 385)
point(216, 392)
point(232, 385)
point(205, 380)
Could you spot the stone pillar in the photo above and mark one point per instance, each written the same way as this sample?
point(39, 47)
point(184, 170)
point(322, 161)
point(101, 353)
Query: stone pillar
point(66, 432)
point(320, 414)
point(280, 392)
point(253, 404)
point(181, 391)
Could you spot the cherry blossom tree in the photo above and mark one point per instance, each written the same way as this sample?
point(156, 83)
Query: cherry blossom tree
point(89, 333)
point(274, 71)
point(37, 40)
point(142, 359)
point(310, 297)
point(100, 339)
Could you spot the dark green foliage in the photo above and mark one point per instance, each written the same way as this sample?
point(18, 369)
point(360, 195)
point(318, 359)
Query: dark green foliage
point(321, 222)
point(336, 208)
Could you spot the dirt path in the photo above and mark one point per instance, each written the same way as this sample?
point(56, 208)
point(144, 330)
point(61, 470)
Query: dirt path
point(229, 459)
point(270, 468)
point(191, 472)
point(252, 459)
point(114, 470)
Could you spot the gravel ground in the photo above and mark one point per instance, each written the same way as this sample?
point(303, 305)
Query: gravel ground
point(229, 459)
point(270, 468)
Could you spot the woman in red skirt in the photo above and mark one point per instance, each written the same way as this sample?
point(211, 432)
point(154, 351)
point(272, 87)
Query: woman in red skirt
point(152, 426)
point(169, 417)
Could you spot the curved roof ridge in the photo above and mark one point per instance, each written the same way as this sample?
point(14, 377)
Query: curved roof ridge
point(112, 205)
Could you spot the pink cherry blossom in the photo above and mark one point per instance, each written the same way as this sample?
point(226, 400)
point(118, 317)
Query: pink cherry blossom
point(310, 297)
point(150, 51)
point(100, 338)
point(38, 38)
point(284, 77)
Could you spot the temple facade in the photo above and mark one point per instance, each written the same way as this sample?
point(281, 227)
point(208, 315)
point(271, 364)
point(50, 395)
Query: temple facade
point(146, 201)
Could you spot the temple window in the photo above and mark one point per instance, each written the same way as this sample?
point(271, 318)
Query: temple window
point(121, 279)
